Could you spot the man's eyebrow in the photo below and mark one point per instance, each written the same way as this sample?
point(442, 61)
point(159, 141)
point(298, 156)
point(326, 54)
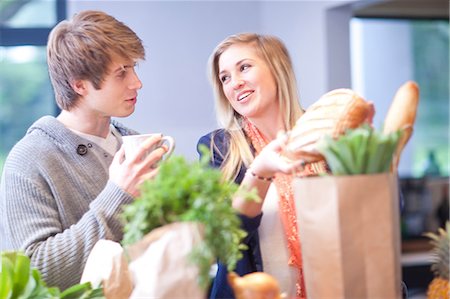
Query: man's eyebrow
point(123, 67)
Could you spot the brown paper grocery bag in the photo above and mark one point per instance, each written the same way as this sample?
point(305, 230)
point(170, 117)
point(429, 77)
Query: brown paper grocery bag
point(155, 267)
point(350, 234)
point(160, 265)
point(107, 267)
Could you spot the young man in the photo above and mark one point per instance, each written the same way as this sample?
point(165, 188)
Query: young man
point(65, 182)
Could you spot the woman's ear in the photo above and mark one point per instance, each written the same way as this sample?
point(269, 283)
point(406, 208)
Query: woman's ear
point(79, 86)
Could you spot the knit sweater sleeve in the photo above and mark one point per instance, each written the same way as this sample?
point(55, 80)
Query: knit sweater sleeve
point(32, 223)
point(57, 206)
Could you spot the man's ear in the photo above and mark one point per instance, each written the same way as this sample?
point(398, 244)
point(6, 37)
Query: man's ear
point(79, 86)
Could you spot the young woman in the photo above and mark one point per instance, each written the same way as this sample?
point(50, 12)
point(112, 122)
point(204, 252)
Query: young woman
point(256, 99)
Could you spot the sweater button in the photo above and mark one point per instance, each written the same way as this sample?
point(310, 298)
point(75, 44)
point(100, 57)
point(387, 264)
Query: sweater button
point(82, 150)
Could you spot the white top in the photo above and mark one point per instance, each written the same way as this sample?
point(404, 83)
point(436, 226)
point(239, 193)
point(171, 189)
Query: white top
point(110, 144)
point(274, 250)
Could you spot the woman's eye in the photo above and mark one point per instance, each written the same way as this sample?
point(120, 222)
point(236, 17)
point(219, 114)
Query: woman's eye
point(244, 67)
point(224, 78)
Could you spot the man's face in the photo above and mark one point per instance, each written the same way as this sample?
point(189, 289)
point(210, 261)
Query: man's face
point(117, 95)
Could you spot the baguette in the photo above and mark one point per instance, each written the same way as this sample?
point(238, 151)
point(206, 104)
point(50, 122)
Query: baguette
point(402, 116)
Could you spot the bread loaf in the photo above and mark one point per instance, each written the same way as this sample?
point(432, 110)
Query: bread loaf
point(334, 113)
point(401, 116)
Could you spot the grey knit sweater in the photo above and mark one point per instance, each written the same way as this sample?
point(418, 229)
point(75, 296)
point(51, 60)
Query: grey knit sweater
point(56, 200)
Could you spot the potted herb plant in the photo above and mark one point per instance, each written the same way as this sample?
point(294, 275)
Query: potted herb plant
point(190, 192)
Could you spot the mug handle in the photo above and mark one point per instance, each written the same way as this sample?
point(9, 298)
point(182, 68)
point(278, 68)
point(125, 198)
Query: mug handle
point(170, 142)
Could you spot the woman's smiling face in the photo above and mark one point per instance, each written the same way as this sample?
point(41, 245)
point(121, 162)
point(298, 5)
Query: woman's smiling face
point(247, 82)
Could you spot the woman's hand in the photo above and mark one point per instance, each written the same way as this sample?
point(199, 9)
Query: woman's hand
point(129, 174)
point(261, 172)
point(270, 161)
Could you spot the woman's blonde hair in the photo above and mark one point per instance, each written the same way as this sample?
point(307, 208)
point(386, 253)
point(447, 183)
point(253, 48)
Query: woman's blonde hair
point(272, 50)
point(83, 48)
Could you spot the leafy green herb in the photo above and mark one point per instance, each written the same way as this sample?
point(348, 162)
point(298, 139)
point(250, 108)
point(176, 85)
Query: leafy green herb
point(19, 280)
point(360, 151)
point(184, 191)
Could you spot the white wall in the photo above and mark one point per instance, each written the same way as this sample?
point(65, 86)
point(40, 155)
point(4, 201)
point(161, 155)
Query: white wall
point(180, 35)
point(301, 25)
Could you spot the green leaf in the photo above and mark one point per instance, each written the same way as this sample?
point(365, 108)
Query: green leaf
point(344, 153)
point(359, 148)
point(360, 151)
point(6, 281)
point(376, 151)
point(18, 280)
point(328, 148)
point(76, 291)
point(191, 191)
point(21, 274)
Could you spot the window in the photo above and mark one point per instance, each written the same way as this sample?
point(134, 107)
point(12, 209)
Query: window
point(25, 89)
point(388, 52)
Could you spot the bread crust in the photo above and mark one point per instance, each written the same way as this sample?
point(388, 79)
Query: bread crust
point(403, 109)
point(402, 116)
point(333, 114)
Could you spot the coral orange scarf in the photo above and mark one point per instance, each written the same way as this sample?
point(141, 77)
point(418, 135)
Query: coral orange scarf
point(286, 205)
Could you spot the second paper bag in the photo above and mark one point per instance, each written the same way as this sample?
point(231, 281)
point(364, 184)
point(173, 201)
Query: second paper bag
point(350, 235)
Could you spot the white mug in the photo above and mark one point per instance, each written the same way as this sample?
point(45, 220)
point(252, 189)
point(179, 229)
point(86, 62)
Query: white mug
point(131, 144)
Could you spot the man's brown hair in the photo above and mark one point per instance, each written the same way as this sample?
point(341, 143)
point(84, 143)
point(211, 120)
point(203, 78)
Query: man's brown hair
point(83, 49)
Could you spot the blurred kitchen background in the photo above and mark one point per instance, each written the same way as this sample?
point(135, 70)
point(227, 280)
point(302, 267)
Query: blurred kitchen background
point(370, 46)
